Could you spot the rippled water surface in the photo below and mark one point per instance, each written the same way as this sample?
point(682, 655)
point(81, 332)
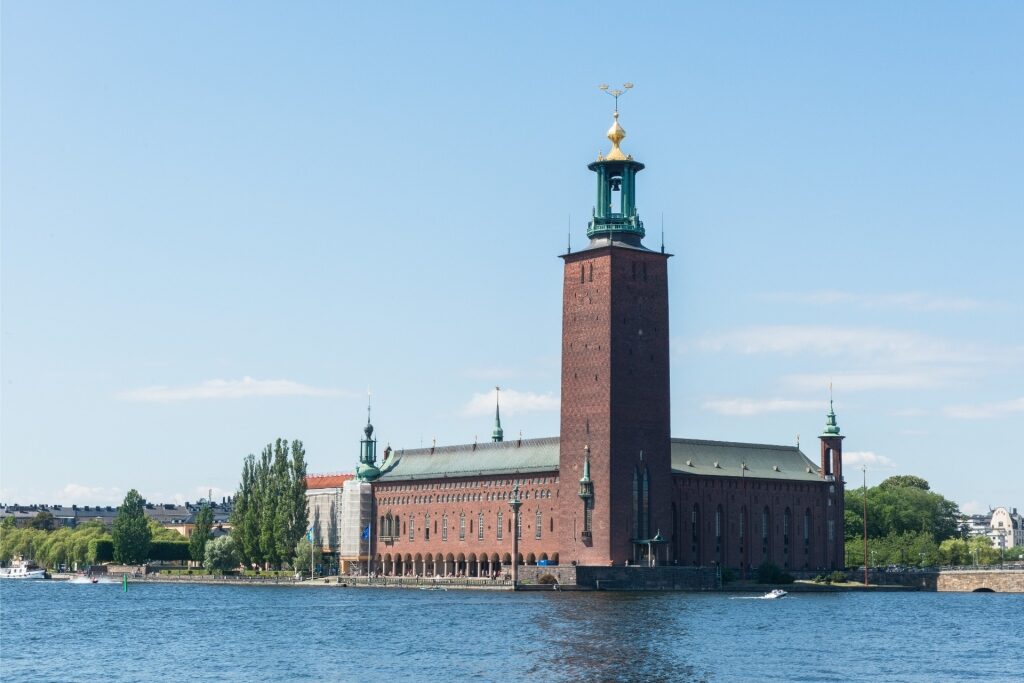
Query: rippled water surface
point(55, 631)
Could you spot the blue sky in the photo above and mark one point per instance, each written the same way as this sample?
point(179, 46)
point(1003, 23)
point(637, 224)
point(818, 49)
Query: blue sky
point(221, 224)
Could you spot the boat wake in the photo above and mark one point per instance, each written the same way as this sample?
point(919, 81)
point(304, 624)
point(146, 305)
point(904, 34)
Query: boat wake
point(88, 581)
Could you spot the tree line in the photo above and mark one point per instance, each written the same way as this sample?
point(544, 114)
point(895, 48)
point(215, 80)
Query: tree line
point(908, 524)
point(133, 539)
point(269, 516)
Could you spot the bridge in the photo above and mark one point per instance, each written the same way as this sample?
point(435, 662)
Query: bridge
point(950, 579)
point(980, 581)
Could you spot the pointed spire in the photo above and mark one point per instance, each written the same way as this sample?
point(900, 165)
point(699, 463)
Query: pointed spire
point(498, 434)
point(369, 427)
point(831, 428)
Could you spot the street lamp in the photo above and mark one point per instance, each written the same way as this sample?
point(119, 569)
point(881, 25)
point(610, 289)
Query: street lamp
point(515, 504)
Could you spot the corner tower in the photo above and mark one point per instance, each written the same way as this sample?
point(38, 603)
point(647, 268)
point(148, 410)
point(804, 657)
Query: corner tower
point(832, 473)
point(615, 425)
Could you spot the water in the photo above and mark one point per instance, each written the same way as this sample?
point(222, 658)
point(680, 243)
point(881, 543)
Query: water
point(55, 631)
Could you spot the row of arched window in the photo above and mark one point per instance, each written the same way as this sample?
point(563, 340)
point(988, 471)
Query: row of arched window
point(391, 526)
point(489, 496)
point(765, 524)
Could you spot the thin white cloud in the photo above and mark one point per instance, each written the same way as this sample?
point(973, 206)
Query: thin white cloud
point(862, 342)
point(81, 494)
point(906, 301)
point(512, 402)
point(973, 507)
point(868, 381)
point(228, 388)
point(748, 406)
point(985, 411)
point(869, 459)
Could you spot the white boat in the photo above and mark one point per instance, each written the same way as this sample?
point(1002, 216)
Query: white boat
point(775, 594)
point(22, 569)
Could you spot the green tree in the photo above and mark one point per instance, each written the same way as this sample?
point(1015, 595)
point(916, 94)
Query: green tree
point(8, 523)
point(300, 508)
point(905, 480)
point(221, 554)
point(283, 503)
point(899, 505)
point(269, 512)
point(43, 520)
point(131, 534)
point(200, 533)
point(266, 507)
point(300, 559)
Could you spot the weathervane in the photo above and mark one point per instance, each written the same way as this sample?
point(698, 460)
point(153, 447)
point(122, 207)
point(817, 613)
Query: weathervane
point(616, 93)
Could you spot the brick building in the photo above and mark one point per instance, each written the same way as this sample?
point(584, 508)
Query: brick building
point(614, 488)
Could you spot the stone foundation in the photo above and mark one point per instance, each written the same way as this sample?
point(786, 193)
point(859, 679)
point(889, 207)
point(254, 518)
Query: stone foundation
point(627, 578)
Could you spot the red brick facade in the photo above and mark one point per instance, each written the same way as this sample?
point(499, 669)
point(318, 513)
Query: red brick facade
point(419, 545)
point(615, 400)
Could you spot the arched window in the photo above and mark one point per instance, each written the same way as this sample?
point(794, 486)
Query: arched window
point(695, 523)
point(499, 528)
point(645, 507)
point(743, 521)
point(480, 526)
point(807, 525)
point(412, 527)
point(462, 526)
point(381, 530)
point(538, 525)
point(718, 524)
point(785, 527)
point(426, 527)
point(444, 527)
point(764, 526)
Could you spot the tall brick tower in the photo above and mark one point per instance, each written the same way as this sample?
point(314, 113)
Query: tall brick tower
point(615, 425)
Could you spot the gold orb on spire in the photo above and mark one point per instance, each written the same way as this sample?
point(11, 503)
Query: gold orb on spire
point(616, 133)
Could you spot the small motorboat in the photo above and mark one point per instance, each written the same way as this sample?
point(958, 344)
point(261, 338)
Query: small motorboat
point(433, 588)
point(775, 594)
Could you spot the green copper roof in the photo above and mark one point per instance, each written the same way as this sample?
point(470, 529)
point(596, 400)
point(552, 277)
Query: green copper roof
point(831, 428)
point(689, 456)
point(469, 460)
point(728, 459)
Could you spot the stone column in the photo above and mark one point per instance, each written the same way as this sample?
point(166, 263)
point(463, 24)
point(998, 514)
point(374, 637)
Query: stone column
point(515, 504)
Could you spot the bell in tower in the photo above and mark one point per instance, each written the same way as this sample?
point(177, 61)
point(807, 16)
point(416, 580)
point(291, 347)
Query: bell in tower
point(615, 217)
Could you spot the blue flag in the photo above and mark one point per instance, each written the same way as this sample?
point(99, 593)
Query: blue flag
point(366, 533)
point(309, 534)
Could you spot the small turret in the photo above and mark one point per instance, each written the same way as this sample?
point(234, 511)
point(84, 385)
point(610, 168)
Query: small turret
point(367, 469)
point(831, 428)
point(831, 446)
